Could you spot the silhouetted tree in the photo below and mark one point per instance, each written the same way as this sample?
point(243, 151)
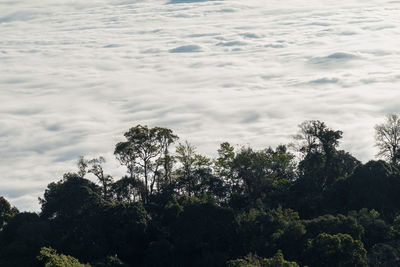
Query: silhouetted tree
point(96, 167)
point(224, 164)
point(144, 153)
point(186, 209)
point(6, 212)
point(69, 197)
point(319, 148)
point(387, 136)
point(260, 174)
point(195, 174)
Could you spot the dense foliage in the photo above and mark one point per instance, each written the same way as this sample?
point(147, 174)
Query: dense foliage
point(305, 204)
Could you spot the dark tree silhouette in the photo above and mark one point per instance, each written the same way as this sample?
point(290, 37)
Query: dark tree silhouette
point(245, 207)
point(144, 154)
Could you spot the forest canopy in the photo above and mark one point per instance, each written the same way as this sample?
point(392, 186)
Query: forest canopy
point(307, 203)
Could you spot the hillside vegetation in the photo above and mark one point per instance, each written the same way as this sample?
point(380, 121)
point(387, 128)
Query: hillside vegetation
point(303, 204)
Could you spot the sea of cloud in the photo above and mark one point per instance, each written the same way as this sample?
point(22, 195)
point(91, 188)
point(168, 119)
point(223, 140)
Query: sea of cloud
point(75, 75)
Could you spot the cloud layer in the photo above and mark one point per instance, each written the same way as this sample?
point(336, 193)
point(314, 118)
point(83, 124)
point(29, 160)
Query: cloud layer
point(75, 75)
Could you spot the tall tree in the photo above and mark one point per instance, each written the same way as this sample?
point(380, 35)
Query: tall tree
point(82, 166)
point(257, 174)
point(387, 136)
point(145, 153)
point(186, 156)
point(318, 144)
point(96, 167)
point(194, 174)
point(224, 164)
point(314, 136)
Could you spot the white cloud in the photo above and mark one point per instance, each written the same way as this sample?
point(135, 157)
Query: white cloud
point(75, 75)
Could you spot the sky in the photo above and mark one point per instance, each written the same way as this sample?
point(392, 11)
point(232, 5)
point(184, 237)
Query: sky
point(75, 75)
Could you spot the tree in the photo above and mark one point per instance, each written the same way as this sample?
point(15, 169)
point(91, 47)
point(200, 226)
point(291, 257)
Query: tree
point(260, 174)
point(95, 166)
point(202, 234)
point(51, 258)
point(339, 250)
point(334, 225)
point(69, 197)
point(375, 229)
point(185, 209)
point(105, 179)
point(254, 261)
point(6, 212)
point(383, 255)
point(387, 136)
point(371, 186)
point(110, 261)
point(82, 166)
point(186, 156)
point(194, 176)
point(145, 153)
point(264, 232)
point(21, 240)
point(124, 228)
point(315, 136)
point(321, 163)
point(128, 189)
point(224, 162)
